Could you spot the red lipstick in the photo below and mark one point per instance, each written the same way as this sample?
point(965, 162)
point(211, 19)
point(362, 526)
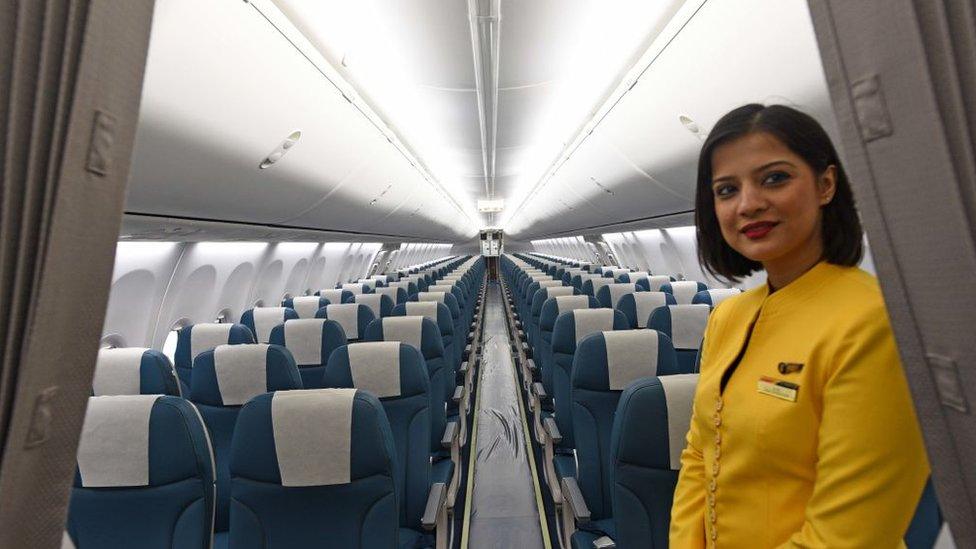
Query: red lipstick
point(757, 230)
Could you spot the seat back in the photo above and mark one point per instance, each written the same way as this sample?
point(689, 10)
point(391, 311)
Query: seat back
point(409, 287)
point(604, 365)
point(637, 307)
point(381, 305)
point(569, 330)
point(439, 313)
point(683, 290)
point(261, 320)
point(592, 285)
point(145, 472)
point(134, 371)
point(196, 338)
point(306, 305)
point(538, 300)
point(223, 380)
point(370, 283)
point(422, 333)
point(310, 342)
point(713, 297)
point(685, 325)
point(353, 317)
point(327, 450)
point(609, 295)
point(396, 294)
point(396, 374)
point(649, 429)
point(653, 283)
point(335, 296)
point(631, 277)
point(551, 309)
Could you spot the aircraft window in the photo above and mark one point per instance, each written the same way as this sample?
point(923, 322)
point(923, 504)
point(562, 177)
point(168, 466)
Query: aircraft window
point(223, 316)
point(287, 296)
point(258, 303)
point(308, 291)
point(112, 341)
point(169, 346)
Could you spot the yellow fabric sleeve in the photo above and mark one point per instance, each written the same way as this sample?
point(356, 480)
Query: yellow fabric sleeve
point(871, 465)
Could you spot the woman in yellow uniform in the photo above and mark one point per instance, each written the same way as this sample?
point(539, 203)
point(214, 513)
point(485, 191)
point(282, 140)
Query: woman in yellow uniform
point(803, 431)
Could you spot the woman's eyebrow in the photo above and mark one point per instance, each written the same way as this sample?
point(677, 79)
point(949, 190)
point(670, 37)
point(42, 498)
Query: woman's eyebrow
point(773, 163)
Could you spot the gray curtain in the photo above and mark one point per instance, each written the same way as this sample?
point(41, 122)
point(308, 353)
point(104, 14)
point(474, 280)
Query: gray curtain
point(70, 82)
point(902, 77)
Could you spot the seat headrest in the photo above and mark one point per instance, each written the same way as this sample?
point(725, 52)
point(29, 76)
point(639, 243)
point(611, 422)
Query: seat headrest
point(610, 294)
point(133, 371)
point(653, 417)
point(230, 375)
point(375, 303)
point(684, 290)
point(590, 321)
point(644, 304)
point(612, 360)
point(354, 287)
point(439, 297)
point(307, 305)
point(310, 340)
point(263, 319)
point(350, 316)
point(407, 329)
point(316, 437)
point(714, 297)
point(566, 303)
point(335, 296)
point(142, 440)
point(368, 282)
point(685, 324)
point(426, 309)
point(550, 283)
point(632, 276)
point(391, 292)
point(388, 369)
point(594, 284)
point(655, 282)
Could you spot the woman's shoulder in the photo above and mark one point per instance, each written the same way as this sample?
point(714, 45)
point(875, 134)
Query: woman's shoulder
point(856, 291)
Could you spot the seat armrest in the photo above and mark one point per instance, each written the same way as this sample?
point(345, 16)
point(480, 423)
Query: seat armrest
point(436, 500)
point(464, 367)
point(530, 364)
point(450, 435)
point(540, 391)
point(552, 430)
point(604, 542)
point(573, 497)
point(458, 394)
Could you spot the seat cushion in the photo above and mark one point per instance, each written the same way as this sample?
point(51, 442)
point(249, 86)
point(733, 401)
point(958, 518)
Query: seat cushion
point(565, 465)
point(583, 539)
point(442, 471)
point(412, 539)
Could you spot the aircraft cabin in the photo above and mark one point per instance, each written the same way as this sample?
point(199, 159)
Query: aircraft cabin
point(457, 274)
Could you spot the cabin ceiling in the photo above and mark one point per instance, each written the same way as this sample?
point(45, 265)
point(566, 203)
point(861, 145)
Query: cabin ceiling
point(412, 110)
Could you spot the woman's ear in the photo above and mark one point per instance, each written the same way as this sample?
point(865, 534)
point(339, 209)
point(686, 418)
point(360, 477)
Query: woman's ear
point(827, 185)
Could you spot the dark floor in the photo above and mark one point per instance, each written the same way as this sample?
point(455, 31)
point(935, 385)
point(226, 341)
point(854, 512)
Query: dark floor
point(503, 505)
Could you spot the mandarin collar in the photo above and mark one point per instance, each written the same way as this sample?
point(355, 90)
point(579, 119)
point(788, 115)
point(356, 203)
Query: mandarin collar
point(799, 290)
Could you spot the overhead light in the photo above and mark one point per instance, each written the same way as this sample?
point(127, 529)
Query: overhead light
point(491, 206)
point(280, 151)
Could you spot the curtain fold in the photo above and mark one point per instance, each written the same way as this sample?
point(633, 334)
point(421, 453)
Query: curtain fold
point(70, 82)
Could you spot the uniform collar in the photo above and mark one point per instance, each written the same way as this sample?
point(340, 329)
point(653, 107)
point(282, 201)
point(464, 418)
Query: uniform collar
point(801, 289)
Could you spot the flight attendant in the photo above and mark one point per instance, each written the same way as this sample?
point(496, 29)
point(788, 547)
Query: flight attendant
point(803, 431)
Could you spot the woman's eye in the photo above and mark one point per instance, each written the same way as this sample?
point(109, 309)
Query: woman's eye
point(724, 190)
point(775, 178)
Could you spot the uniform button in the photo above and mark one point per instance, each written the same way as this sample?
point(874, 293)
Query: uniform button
point(718, 404)
point(718, 420)
point(718, 452)
point(714, 534)
point(711, 516)
point(715, 468)
point(718, 439)
point(712, 485)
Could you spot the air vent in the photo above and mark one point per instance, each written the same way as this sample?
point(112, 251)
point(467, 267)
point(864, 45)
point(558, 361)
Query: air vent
point(280, 151)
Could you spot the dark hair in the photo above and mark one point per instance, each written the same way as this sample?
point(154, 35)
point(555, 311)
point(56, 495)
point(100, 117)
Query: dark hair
point(802, 134)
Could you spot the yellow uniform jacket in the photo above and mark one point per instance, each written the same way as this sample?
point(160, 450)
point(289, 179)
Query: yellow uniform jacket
point(814, 441)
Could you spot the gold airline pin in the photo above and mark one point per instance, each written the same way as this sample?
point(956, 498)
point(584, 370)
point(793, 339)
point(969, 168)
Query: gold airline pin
point(779, 389)
point(790, 367)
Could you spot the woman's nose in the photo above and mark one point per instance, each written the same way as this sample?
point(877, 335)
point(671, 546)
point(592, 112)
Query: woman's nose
point(752, 201)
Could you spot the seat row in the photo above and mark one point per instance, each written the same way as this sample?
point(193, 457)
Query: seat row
point(251, 453)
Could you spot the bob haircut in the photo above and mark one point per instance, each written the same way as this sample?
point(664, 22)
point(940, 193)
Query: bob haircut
point(842, 233)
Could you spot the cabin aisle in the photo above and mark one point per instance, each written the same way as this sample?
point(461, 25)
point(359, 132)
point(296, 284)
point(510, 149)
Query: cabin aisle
point(503, 511)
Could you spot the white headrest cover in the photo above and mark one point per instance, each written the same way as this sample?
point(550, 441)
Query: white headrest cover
point(599, 283)
point(114, 445)
point(656, 281)
point(334, 296)
point(423, 308)
point(619, 290)
point(688, 324)
point(265, 319)
point(372, 301)
point(117, 371)
point(440, 288)
point(558, 291)
point(204, 337)
point(368, 282)
point(313, 436)
point(303, 338)
point(679, 393)
point(406, 329)
point(646, 302)
point(389, 292)
point(634, 276)
point(722, 294)
point(619, 273)
point(631, 354)
point(306, 305)
point(432, 296)
point(375, 367)
point(589, 321)
point(242, 372)
point(684, 291)
point(566, 303)
point(550, 283)
point(347, 315)
point(405, 284)
point(355, 288)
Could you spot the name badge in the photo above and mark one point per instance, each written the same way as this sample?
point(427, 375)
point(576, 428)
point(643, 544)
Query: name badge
point(780, 389)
